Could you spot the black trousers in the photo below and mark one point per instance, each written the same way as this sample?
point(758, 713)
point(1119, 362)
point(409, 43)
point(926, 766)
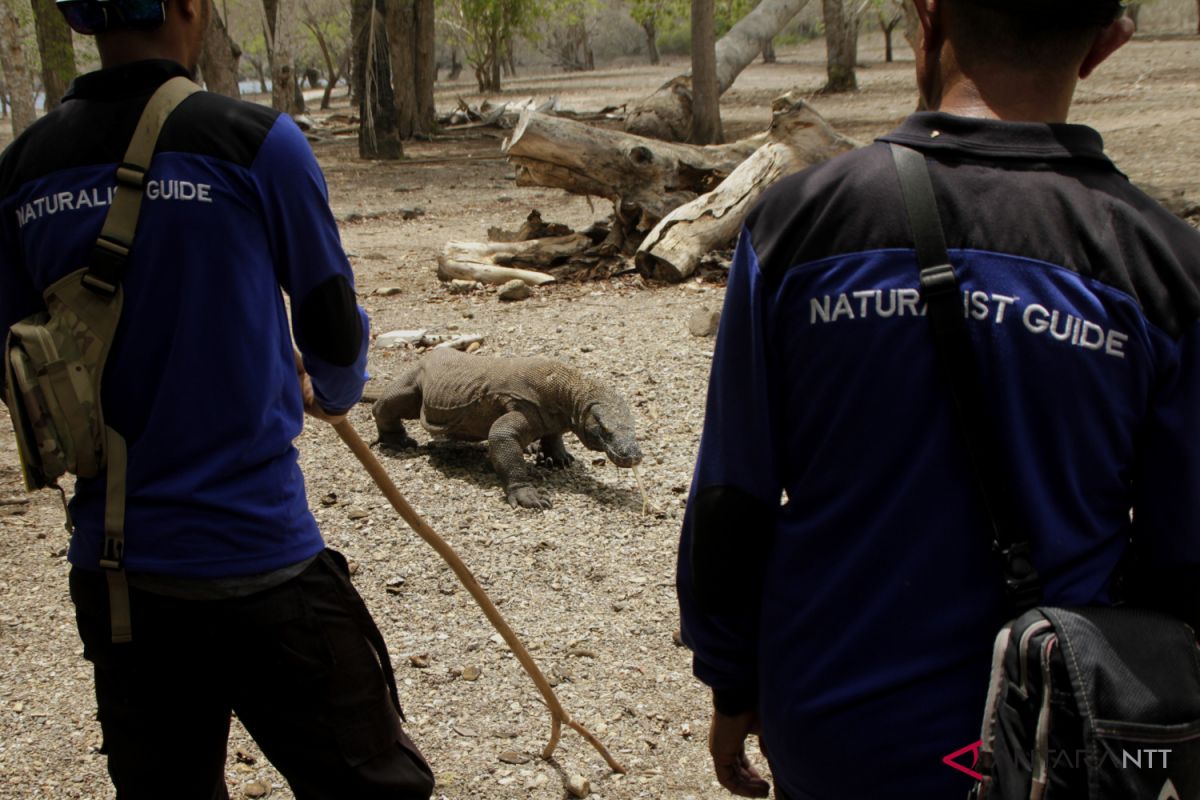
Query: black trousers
point(301, 664)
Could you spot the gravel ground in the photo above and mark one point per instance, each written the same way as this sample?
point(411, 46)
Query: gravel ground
point(588, 585)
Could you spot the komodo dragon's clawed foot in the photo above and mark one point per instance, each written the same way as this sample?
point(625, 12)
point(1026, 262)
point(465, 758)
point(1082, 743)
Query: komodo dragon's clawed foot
point(560, 460)
point(396, 440)
point(551, 452)
point(527, 497)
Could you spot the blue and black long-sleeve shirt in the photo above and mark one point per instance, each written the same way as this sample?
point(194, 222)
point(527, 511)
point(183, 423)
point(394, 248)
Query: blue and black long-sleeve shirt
point(201, 380)
point(835, 568)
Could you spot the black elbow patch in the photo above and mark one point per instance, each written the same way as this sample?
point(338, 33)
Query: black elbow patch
point(327, 323)
point(732, 532)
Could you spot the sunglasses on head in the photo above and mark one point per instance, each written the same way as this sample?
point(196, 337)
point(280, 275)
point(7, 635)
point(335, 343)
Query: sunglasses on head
point(90, 17)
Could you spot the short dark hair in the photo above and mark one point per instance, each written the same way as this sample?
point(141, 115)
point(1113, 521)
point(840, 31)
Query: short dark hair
point(1038, 33)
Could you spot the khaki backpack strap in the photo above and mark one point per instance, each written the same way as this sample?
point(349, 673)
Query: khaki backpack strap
point(113, 554)
point(112, 247)
point(104, 275)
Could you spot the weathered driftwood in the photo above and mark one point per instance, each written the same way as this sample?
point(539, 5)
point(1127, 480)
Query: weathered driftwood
point(645, 178)
point(501, 262)
point(798, 137)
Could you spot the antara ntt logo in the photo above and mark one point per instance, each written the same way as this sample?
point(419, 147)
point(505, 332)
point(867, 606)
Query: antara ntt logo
point(1127, 759)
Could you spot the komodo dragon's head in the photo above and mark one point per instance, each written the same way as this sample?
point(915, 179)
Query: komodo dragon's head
point(607, 426)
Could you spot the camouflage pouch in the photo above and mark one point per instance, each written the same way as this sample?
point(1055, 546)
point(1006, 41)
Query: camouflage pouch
point(54, 363)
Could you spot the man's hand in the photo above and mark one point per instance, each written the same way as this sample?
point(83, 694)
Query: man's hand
point(306, 394)
point(727, 744)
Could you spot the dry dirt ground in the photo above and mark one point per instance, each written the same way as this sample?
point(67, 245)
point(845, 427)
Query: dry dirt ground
point(588, 584)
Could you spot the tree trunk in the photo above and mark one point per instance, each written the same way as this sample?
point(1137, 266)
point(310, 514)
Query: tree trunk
point(425, 72)
point(706, 95)
point(15, 61)
point(455, 66)
point(644, 178)
point(912, 26)
point(667, 114)
point(401, 36)
point(219, 58)
point(652, 40)
point(281, 22)
point(56, 49)
point(841, 47)
point(888, 26)
point(798, 137)
point(768, 51)
point(377, 134)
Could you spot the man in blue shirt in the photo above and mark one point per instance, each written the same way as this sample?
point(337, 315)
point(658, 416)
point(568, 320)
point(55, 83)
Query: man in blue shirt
point(236, 605)
point(835, 577)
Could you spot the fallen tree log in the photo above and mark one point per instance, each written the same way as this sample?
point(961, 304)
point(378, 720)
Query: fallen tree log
point(667, 114)
point(501, 262)
point(798, 137)
point(644, 178)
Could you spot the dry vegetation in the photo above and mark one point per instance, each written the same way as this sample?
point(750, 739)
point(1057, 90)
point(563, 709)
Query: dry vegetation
point(588, 584)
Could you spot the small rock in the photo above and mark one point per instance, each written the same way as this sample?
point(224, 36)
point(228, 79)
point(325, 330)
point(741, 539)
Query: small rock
point(465, 730)
point(587, 348)
point(579, 786)
point(357, 513)
point(395, 586)
point(256, 789)
point(411, 213)
point(388, 291)
point(242, 757)
point(677, 637)
point(473, 346)
point(514, 290)
point(514, 757)
point(329, 499)
point(420, 661)
point(459, 286)
point(704, 322)
point(471, 673)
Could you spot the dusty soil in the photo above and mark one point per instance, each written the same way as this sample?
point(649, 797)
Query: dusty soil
point(588, 584)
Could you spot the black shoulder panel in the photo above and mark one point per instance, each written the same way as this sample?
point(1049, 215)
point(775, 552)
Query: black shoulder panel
point(1079, 214)
point(80, 133)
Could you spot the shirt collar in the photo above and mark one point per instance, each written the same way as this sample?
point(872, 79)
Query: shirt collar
point(933, 131)
point(126, 80)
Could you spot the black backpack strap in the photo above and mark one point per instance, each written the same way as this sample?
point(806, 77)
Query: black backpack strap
point(944, 301)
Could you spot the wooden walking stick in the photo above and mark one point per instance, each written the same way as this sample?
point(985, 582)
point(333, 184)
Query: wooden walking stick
point(558, 714)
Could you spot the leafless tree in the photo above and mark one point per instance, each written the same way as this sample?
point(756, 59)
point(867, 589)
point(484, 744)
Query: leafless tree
point(706, 94)
point(56, 50)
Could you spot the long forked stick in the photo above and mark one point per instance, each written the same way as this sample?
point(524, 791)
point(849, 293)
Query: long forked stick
point(558, 714)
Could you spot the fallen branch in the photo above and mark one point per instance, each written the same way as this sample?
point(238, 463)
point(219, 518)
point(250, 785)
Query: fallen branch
point(501, 262)
point(798, 137)
point(645, 178)
point(558, 714)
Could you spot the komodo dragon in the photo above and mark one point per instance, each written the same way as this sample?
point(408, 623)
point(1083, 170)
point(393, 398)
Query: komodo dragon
point(511, 403)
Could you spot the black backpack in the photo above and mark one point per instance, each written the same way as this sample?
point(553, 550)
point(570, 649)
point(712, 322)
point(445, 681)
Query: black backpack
point(1083, 703)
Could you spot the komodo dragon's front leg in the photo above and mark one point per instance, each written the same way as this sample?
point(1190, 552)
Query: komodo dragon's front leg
point(401, 401)
point(507, 440)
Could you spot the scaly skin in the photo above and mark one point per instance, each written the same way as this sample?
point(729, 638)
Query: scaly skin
point(511, 403)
